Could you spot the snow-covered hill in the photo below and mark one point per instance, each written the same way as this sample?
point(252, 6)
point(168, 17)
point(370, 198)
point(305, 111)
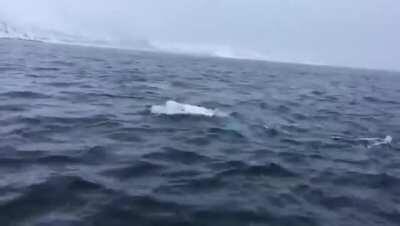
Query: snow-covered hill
point(34, 34)
point(50, 36)
point(7, 31)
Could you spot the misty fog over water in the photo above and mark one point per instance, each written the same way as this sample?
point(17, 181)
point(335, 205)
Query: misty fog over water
point(359, 33)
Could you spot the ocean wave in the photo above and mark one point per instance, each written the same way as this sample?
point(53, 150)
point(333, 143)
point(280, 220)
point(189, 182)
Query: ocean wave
point(80, 139)
point(174, 108)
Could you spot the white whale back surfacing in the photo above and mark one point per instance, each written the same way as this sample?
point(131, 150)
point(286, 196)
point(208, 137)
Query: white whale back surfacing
point(174, 108)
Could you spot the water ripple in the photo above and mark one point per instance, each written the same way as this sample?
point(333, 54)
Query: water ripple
point(81, 144)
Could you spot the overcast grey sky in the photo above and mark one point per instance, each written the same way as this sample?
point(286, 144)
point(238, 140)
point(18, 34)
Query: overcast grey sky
point(360, 33)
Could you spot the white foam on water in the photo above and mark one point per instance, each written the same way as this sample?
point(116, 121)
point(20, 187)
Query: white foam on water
point(368, 141)
point(377, 141)
point(174, 108)
point(372, 139)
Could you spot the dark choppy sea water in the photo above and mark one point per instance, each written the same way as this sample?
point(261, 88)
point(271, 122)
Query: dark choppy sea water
point(87, 137)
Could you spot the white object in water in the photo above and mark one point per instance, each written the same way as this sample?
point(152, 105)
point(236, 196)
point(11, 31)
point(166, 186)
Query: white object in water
point(174, 108)
point(387, 140)
point(378, 141)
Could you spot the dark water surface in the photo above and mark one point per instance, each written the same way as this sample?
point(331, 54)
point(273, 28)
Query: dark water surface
point(80, 146)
